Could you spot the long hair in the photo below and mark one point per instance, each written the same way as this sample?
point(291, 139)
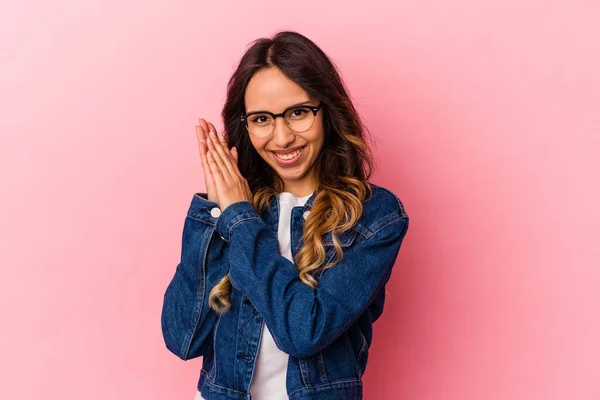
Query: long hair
point(343, 166)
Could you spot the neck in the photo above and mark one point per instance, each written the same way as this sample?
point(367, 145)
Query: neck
point(299, 189)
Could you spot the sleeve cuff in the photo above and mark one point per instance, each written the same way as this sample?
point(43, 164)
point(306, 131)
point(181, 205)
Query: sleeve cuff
point(203, 209)
point(233, 214)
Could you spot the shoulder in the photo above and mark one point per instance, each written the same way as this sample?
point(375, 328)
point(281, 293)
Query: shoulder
point(383, 197)
point(381, 208)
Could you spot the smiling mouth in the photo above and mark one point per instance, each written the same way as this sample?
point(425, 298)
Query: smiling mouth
point(289, 155)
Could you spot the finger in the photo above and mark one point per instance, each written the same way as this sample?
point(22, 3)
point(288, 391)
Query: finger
point(204, 126)
point(220, 135)
point(234, 154)
point(225, 160)
point(207, 171)
point(226, 154)
point(203, 130)
point(201, 149)
point(203, 135)
point(201, 144)
point(235, 161)
point(222, 138)
point(216, 172)
point(216, 150)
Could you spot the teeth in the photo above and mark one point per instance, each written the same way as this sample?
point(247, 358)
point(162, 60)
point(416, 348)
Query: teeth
point(289, 156)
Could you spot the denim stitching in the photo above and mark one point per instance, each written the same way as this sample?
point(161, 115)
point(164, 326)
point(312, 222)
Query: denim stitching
point(260, 338)
point(235, 223)
point(338, 383)
point(208, 222)
point(241, 305)
point(387, 221)
point(362, 352)
point(214, 368)
point(321, 365)
point(304, 372)
point(400, 204)
point(221, 387)
point(199, 304)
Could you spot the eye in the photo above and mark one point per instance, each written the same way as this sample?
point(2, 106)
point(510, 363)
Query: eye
point(260, 119)
point(298, 112)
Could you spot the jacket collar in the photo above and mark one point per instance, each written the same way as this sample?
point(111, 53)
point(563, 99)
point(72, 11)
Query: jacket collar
point(309, 202)
point(307, 206)
point(272, 217)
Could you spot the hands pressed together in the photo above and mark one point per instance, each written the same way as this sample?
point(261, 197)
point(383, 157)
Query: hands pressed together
point(224, 182)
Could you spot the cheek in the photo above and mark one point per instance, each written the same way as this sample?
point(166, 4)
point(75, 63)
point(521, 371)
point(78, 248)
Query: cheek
point(317, 137)
point(257, 144)
point(259, 147)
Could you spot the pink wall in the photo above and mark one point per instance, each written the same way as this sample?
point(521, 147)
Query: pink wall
point(486, 115)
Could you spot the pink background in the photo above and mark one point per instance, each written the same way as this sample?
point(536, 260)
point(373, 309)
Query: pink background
point(486, 116)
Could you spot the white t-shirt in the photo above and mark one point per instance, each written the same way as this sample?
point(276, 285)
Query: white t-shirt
point(269, 379)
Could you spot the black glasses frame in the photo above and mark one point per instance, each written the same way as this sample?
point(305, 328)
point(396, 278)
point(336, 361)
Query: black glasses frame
point(314, 109)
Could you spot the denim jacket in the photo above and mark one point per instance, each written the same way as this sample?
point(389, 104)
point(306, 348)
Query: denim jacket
point(326, 331)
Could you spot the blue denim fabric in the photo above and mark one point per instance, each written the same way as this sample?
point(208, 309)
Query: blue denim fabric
point(326, 331)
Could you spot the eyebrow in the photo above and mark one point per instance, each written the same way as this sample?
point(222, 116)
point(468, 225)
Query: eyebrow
point(294, 105)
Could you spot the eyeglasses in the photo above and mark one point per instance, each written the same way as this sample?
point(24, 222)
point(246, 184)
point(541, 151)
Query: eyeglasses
point(298, 118)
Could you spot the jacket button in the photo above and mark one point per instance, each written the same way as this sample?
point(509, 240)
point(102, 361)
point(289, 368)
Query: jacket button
point(215, 212)
point(305, 215)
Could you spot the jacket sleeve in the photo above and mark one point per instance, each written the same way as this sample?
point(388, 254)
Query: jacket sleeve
point(303, 320)
point(187, 321)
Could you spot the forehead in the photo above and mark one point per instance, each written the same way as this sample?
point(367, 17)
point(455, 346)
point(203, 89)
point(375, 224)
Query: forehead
point(269, 89)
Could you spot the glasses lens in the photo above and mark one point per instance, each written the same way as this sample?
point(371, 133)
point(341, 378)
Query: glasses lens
point(260, 125)
point(299, 119)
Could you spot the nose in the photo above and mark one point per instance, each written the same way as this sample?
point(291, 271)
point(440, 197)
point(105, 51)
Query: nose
point(283, 136)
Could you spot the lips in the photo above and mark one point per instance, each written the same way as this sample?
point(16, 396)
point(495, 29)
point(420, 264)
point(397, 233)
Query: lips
point(289, 151)
point(292, 160)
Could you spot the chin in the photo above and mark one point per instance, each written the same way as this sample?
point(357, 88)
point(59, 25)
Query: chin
point(293, 177)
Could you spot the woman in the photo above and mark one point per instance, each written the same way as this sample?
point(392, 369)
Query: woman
point(286, 256)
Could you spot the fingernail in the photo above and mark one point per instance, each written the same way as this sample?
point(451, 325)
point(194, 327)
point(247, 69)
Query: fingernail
point(213, 133)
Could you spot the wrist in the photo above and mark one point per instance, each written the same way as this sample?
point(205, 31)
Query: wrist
point(205, 196)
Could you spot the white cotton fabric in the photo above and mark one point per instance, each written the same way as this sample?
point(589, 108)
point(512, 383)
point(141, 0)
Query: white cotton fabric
point(269, 379)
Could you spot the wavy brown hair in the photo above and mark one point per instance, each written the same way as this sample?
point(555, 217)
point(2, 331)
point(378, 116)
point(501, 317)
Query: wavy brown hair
point(343, 167)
